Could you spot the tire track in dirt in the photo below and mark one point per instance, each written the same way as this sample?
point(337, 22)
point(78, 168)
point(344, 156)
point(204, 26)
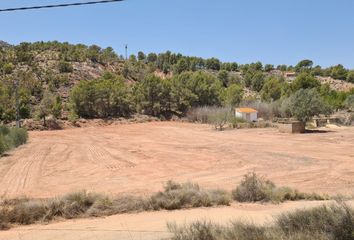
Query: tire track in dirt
point(25, 172)
point(100, 156)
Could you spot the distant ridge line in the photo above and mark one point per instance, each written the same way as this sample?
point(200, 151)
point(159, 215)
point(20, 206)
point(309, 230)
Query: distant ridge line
point(59, 5)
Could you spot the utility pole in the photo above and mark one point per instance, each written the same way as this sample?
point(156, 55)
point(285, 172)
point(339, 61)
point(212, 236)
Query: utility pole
point(126, 52)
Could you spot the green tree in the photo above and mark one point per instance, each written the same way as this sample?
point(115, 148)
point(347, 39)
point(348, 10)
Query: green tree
point(108, 55)
point(350, 77)
point(141, 56)
point(182, 96)
point(304, 81)
point(339, 72)
point(306, 103)
point(304, 64)
point(233, 95)
point(223, 76)
point(272, 89)
point(105, 97)
point(206, 87)
point(282, 68)
point(45, 106)
point(181, 66)
point(93, 53)
point(151, 58)
point(334, 99)
point(132, 58)
point(268, 67)
point(213, 64)
point(57, 107)
point(257, 81)
point(152, 96)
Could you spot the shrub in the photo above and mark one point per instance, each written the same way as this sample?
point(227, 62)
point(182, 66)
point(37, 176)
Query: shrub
point(336, 221)
point(322, 223)
point(27, 212)
point(4, 222)
point(18, 136)
point(254, 189)
point(101, 98)
point(215, 116)
point(219, 117)
point(306, 103)
point(65, 67)
point(83, 204)
point(196, 231)
point(200, 114)
point(11, 138)
point(188, 195)
point(124, 204)
point(203, 230)
point(267, 111)
point(3, 146)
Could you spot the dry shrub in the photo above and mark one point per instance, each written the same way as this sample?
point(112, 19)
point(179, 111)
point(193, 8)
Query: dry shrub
point(187, 195)
point(4, 221)
point(76, 204)
point(204, 230)
point(221, 117)
point(25, 212)
point(124, 204)
point(200, 114)
point(266, 110)
point(200, 230)
point(334, 222)
point(84, 204)
point(254, 188)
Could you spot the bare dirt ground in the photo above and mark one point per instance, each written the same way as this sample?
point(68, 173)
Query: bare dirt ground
point(140, 158)
point(150, 225)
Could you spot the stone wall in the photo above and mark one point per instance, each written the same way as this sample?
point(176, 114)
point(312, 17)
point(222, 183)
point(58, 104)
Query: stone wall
point(292, 127)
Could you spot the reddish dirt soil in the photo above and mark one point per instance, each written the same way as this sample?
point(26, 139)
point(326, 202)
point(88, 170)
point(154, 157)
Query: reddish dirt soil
point(140, 158)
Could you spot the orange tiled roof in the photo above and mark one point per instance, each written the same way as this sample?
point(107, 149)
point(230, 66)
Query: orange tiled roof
point(246, 110)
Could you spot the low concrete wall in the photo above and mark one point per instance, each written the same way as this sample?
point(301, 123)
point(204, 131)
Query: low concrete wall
point(293, 127)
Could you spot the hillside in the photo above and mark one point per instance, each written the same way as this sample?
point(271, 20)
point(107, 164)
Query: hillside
point(56, 67)
point(45, 74)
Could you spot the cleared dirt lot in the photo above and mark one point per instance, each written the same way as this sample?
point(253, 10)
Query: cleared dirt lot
point(139, 158)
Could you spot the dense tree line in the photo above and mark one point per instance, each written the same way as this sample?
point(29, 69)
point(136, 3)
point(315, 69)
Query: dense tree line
point(110, 96)
point(176, 95)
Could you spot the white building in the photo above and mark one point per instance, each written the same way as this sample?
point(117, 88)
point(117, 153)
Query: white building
point(247, 114)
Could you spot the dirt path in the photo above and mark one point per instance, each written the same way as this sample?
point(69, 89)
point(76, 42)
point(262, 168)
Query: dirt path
point(150, 225)
point(139, 158)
